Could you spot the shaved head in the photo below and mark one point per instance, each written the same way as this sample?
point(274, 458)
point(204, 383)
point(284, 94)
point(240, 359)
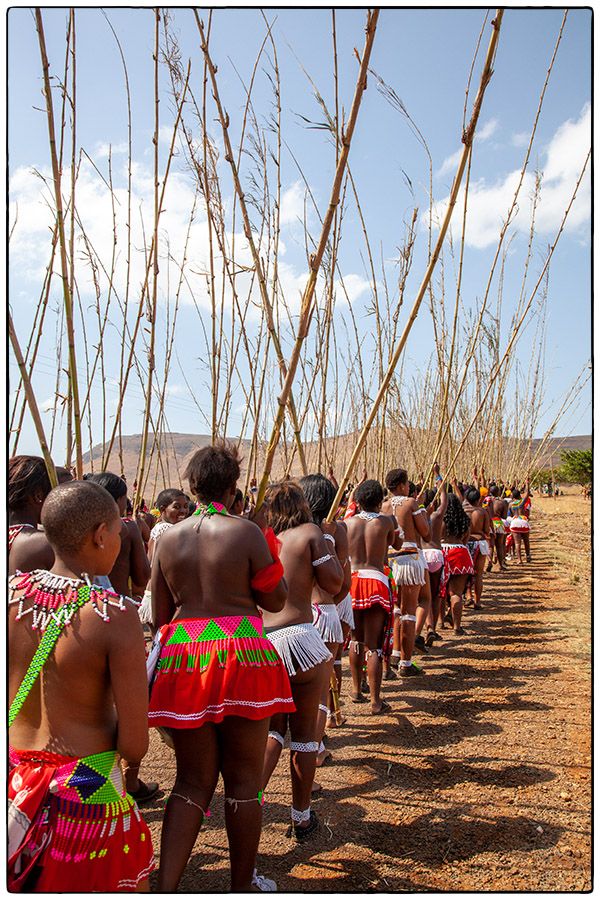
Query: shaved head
point(73, 511)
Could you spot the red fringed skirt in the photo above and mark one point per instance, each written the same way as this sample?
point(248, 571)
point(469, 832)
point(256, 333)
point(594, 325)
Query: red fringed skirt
point(212, 668)
point(369, 587)
point(457, 561)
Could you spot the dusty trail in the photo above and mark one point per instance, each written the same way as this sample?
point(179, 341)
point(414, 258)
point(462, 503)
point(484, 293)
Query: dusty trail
point(480, 777)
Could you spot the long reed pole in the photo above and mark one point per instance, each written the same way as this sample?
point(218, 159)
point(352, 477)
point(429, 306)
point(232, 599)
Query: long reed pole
point(67, 296)
point(153, 302)
point(260, 274)
point(307, 303)
point(519, 324)
point(33, 407)
point(467, 138)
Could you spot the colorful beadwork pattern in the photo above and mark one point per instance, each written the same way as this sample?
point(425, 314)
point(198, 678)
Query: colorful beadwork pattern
point(210, 668)
point(194, 643)
point(85, 833)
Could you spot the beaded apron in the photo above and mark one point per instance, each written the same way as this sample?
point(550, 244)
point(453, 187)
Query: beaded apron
point(212, 667)
point(73, 811)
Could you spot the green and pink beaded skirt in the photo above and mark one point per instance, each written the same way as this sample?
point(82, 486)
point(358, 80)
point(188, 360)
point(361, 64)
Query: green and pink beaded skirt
point(216, 667)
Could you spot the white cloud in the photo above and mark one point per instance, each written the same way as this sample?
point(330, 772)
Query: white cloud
point(31, 242)
point(292, 204)
point(102, 150)
point(489, 202)
point(450, 164)
point(520, 139)
point(176, 390)
point(485, 132)
point(353, 287)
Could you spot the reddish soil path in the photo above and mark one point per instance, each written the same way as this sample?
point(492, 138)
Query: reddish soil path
point(480, 777)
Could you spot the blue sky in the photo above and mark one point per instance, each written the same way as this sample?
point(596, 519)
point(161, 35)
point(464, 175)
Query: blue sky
point(425, 55)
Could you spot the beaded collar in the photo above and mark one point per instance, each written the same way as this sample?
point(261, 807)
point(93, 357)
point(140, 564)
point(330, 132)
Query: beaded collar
point(211, 509)
point(56, 598)
point(207, 510)
point(368, 515)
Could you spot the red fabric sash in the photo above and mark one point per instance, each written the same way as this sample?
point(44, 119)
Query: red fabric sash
point(28, 787)
point(268, 578)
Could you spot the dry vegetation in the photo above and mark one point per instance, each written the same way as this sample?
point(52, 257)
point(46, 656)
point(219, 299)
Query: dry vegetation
point(308, 402)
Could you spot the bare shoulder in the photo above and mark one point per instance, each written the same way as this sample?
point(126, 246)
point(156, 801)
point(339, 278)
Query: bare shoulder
point(303, 534)
point(124, 626)
point(131, 526)
point(31, 550)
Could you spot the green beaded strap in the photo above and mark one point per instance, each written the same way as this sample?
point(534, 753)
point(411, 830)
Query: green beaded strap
point(45, 647)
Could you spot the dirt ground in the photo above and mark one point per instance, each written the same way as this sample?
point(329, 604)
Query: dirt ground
point(479, 779)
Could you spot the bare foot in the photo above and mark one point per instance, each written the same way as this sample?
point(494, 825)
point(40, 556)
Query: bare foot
point(336, 721)
point(323, 756)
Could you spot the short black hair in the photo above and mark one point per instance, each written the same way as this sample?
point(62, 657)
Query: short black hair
point(166, 497)
point(395, 477)
point(72, 511)
point(27, 475)
point(115, 486)
point(320, 494)
point(472, 496)
point(212, 471)
point(494, 490)
point(369, 495)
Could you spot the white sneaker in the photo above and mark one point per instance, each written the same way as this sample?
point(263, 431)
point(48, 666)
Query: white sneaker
point(262, 883)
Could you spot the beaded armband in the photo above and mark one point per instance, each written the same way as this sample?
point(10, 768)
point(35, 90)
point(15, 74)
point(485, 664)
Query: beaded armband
point(321, 560)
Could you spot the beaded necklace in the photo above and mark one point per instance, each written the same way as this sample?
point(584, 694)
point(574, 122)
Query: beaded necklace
point(207, 510)
point(14, 531)
point(368, 515)
point(56, 597)
point(211, 509)
point(51, 616)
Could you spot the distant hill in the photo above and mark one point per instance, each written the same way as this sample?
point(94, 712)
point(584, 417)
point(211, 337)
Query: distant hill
point(177, 449)
point(550, 456)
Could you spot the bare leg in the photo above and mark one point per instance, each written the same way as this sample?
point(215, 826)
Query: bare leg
point(326, 696)
point(424, 607)
point(357, 654)
point(374, 629)
point(242, 746)
point(338, 669)
point(519, 547)
point(278, 725)
point(478, 578)
point(527, 551)
point(434, 582)
point(409, 598)
point(501, 550)
point(197, 756)
point(456, 587)
point(337, 665)
point(307, 691)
